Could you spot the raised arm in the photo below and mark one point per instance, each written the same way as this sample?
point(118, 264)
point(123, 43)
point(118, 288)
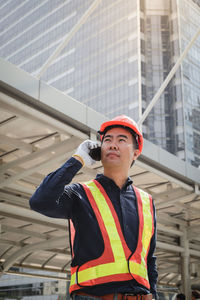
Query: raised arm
point(45, 200)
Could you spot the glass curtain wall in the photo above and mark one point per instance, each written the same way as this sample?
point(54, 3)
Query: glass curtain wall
point(189, 20)
point(158, 126)
point(99, 67)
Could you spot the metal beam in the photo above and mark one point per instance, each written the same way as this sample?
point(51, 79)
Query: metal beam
point(171, 248)
point(167, 193)
point(171, 231)
point(194, 246)
point(72, 144)
point(22, 187)
point(4, 122)
point(38, 153)
point(47, 260)
point(174, 201)
point(13, 199)
point(9, 104)
point(68, 38)
point(20, 230)
point(34, 275)
point(17, 143)
point(164, 175)
point(193, 231)
point(49, 269)
point(194, 253)
point(49, 244)
point(170, 269)
point(171, 280)
point(32, 216)
point(10, 243)
point(166, 219)
point(167, 79)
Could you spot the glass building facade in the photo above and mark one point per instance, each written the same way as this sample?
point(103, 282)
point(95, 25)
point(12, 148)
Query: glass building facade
point(189, 21)
point(117, 60)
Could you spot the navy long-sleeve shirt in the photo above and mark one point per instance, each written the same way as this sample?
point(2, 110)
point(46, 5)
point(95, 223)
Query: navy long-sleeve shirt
point(54, 198)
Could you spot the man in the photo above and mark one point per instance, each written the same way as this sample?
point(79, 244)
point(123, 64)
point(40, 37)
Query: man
point(195, 295)
point(114, 233)
point(180, 297)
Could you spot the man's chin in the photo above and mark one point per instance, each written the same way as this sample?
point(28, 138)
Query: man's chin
point(111, 162)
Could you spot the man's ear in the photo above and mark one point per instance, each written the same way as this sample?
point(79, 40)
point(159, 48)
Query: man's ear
point(136, 153)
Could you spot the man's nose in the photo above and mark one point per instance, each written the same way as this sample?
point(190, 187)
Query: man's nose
point(113, 145)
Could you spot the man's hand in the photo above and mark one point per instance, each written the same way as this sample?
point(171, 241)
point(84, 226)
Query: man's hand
point(83, 152)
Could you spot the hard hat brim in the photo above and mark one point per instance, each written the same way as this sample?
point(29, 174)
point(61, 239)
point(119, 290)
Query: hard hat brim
point(123, 124)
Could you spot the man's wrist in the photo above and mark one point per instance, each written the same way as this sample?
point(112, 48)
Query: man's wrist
point(79, 158)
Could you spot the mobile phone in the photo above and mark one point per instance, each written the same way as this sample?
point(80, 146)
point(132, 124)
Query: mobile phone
point(95, 153)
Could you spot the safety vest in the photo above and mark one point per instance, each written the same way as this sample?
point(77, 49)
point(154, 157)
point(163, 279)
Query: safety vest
point(117, 263)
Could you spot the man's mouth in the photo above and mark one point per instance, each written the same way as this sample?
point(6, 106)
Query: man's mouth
point(112, 154)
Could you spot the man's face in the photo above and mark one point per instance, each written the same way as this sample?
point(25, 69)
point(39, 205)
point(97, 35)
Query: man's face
point(117, 148)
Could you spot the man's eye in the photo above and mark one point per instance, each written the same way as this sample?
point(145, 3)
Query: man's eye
point(122, 140)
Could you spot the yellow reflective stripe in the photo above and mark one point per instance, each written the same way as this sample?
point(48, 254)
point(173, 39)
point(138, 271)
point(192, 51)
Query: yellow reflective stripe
point(147, 229)
point(135, 268)
point(110, 269)
point(138, 269)
point(109, 222)
point(99, 271)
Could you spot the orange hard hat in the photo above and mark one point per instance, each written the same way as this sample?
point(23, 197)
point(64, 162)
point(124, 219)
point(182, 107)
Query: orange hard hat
point(124, 121)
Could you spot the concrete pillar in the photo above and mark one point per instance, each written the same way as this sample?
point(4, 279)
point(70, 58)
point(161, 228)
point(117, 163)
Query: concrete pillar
point(185, 264)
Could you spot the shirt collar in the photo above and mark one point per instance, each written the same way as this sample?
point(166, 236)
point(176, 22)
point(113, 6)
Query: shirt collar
point(106, 180)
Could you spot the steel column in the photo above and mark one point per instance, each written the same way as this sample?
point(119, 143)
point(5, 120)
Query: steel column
point(185, 267)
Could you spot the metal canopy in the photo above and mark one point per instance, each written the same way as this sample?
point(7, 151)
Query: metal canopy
point(39, 130)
